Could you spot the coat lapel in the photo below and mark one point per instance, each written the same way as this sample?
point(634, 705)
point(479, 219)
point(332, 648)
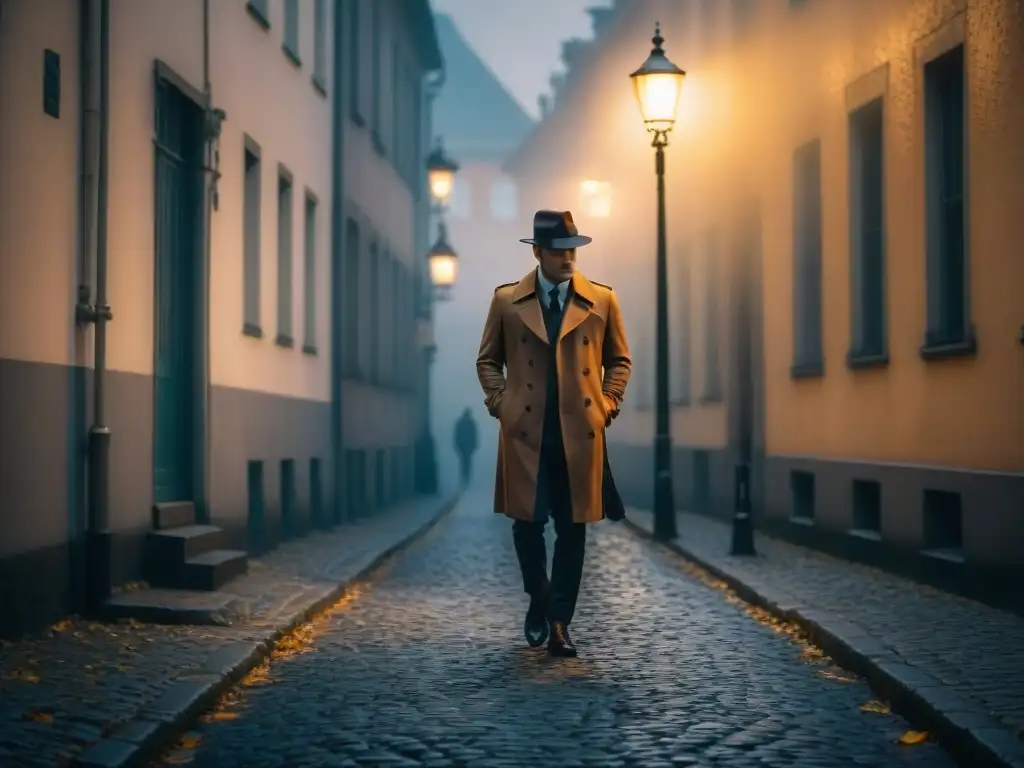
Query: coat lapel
point(581, 299)
point(527, 305)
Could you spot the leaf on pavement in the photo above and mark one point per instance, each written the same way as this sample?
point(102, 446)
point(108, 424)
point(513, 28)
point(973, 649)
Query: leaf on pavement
point(216, 717)
point(876, 707)
point(839, 676)
point(25, 675)
point(189, 741)
point(39, 716)
point(910, 738)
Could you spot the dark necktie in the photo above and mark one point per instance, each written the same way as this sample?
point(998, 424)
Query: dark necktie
point(553, 315)
point(553, 306)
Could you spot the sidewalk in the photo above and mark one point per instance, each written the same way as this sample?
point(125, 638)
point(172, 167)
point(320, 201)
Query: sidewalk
point(112, 694)
point(952, 664)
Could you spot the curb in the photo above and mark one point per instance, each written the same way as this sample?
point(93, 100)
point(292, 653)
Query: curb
point(969, 734)
point(141, 739)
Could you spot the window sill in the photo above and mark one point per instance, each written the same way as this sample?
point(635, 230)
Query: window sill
point(946, 350)
point(865, 533)
point(319, 85)
point(807, 370)
point(251, 329)
point(859, 361)
point(291, 55)
point(284, 340)
point(807, 522)
point(257, 15)
point(947, 554)
point(309, 349)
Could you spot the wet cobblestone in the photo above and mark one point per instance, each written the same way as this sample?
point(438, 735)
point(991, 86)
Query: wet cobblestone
point(428, 667)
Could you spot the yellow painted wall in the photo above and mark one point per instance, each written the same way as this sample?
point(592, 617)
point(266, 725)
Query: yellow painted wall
point(38, 184)
point(823, 59)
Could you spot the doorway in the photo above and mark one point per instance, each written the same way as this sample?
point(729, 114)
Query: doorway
point(177, 400)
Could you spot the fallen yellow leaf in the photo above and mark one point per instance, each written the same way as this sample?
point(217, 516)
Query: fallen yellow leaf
point(839, 677)
point(61, 626)
point(216, 717)
point(910, 738)
point(877, 707)
point(189, 741)
point(39, 716)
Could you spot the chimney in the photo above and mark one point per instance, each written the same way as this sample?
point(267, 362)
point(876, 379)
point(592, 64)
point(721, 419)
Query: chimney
point(544, 105)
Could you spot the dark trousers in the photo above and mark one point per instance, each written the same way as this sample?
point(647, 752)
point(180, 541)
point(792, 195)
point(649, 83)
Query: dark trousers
point(466, 465)
point(562, 590)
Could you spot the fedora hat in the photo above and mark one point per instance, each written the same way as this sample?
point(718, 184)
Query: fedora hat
point(556, 231)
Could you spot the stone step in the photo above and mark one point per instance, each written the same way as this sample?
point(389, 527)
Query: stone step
point(183, 542)
point(212, 570)
point(173, 514)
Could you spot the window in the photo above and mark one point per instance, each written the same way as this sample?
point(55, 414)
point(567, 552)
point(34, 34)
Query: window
point(355, 85)
point(504, 202)
point(320, 44)
point(712, 384)
point(291, 30)
point(309, 278)
point(867, 234)
point(251, 241)
point(289, 527)
point(679, 333)
point(259, 11)
point(461, 206)
point(350, 310)
point(948, 314)
point(373, 309)
point(375, 67)
point(807, 310)
point(803, 499)
point(284, 259)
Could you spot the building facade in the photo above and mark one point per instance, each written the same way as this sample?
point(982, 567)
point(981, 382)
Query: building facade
point(245, 189)
point(480, 124)
point(854, 169)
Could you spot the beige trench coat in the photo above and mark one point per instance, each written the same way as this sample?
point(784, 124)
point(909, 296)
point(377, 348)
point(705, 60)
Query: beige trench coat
point(512, 367)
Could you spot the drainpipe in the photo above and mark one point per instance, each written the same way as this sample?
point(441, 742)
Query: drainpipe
point(98, 535)
point(211, 166)
point(89, 95)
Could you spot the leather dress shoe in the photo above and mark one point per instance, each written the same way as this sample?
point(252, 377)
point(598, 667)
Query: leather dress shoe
point(536, 625)
point(561, 643)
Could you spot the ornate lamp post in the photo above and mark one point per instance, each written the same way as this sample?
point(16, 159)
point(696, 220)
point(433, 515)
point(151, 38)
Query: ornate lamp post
point(442, 268)
point(657, 85)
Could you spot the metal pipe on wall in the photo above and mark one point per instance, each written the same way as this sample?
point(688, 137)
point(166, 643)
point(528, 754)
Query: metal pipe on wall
point(89, 138)
point(98, 532)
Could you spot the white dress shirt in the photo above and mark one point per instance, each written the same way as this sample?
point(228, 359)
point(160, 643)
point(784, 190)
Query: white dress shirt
point(546, 285)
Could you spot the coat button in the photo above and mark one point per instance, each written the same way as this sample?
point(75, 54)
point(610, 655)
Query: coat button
point(587, 402)
point(586, 371)
point(590, 434)
point(523, 338)
point(529, 385)
point(585, 341)
point(527, 409)
point(523, 434)
point(530, 363)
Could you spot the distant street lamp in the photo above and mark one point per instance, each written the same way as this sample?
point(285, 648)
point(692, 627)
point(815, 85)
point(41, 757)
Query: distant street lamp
point(657, 85)
point(441, 171)
point(443, 264)
point(596, 198)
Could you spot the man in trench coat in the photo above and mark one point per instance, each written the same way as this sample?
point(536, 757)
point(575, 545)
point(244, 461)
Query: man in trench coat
point(553, 365)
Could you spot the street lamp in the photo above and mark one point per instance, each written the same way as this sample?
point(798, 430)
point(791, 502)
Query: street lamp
point(442, 264)
point(657, 85)
point(441, 171)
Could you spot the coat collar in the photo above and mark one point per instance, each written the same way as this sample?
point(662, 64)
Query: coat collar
point(580, 300)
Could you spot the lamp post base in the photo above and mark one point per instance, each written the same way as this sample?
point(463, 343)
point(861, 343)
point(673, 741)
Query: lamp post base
point(742, 527)
point(664, 497)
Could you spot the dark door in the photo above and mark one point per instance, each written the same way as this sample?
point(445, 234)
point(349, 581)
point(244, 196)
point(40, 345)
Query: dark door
point(178, 255)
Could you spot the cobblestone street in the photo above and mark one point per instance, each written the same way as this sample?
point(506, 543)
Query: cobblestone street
point(425, 664)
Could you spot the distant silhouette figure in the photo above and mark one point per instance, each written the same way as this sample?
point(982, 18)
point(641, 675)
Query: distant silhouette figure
point(466, 444)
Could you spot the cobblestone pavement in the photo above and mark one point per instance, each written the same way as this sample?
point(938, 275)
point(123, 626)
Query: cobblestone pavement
point(428, 667)
point(968, 646)
point(65, 688)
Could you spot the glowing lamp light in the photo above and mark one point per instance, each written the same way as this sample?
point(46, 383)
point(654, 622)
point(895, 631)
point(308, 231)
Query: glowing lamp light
point(657, 85)
point(442, 261)
point(441, 171)
point(596, 198)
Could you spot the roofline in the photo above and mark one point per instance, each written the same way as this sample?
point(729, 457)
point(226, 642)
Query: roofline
point(518, 157)
point(421, 17)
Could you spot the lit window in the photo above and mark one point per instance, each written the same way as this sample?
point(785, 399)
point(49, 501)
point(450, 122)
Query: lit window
point(596, 198)
point(504, 200)
point(461, 205)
